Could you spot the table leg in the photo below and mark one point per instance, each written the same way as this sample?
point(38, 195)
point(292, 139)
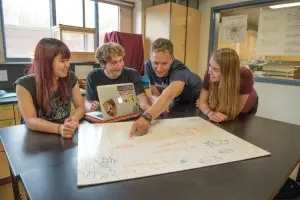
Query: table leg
point(15, 186)
point(27, 196)
point(298, 175)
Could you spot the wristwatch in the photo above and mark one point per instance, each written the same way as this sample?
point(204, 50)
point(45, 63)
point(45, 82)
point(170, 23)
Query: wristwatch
point(147, 117)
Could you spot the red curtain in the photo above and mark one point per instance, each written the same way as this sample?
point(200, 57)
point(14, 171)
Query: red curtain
point(133, 46)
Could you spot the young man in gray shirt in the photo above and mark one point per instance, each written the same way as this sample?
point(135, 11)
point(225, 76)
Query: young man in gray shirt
point(112, 71)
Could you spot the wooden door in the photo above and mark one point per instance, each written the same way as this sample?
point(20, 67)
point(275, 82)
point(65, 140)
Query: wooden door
point(193, 40)
point(157, 25)
point(178, 30)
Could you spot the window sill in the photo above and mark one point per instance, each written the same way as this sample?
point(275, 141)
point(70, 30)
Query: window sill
point(293, 82)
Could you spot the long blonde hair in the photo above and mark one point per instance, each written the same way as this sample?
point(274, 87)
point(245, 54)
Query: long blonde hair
point(224, 95)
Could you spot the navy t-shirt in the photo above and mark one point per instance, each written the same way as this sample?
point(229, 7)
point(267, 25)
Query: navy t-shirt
point(178, 72)
point(97, 77)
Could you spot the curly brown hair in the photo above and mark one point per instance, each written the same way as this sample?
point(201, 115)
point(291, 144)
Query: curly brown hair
point(162, 45)
point(107, 51)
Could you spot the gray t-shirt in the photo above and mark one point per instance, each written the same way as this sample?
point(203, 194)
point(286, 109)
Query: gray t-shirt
point(178, 72)
point(97, 77)
point(59, 110)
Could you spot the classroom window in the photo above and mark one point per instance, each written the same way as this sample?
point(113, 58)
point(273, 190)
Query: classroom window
point(75, 41)
point(108, 19)
point(25, 25)
point(69, 12)
point(267, 40)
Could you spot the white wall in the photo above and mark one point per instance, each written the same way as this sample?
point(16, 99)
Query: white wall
point(137, 17)
point(279, 102)
point(142, 18)
point(126, 19)
point(205, 8)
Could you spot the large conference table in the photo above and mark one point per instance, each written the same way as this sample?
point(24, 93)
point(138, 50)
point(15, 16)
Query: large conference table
point(47, 166)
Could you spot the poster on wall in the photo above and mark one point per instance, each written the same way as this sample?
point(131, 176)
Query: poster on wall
point(279, 32)
point(233, 29)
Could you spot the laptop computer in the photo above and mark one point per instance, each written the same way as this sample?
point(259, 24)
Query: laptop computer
point(116, 101)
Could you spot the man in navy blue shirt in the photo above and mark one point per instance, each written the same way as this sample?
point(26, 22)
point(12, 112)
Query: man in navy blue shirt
point(170, 81)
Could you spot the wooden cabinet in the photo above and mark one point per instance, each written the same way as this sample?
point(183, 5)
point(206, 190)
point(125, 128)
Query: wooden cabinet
point(125, 22)
point(178, 30)
point(157, 25)
point(290, 58)
point(179, 24)
point(17, 114)
point(193, 40)
point(4, 167)
point(10, 114)
point(84, 50)
point(7, 122)
point(7, 111)
point(7, 116)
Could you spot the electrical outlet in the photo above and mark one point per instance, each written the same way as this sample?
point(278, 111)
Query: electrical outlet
point(3, 75)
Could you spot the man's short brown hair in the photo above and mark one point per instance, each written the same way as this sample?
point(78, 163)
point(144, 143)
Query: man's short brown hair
point(107, 51)
point(162, 45)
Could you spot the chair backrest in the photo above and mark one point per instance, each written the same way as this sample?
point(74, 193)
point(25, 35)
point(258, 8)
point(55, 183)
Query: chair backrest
point(254, 108)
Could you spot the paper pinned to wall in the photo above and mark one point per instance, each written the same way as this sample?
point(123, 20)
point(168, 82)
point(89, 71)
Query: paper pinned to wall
point(3, 75)
point(107, 154)
point(279, 32)
point(233, 29)
point(81, 71)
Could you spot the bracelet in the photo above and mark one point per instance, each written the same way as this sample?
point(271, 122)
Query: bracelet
point(208, 113)
point(58, 129)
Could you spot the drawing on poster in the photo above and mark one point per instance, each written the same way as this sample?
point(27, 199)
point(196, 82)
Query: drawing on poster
point(106, 153)
point(233, 29)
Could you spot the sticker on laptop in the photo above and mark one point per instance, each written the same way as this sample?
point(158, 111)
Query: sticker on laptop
point(132, 99)
point(127, 93)
point(125, 89)
point(136, 109)
point(110, 107)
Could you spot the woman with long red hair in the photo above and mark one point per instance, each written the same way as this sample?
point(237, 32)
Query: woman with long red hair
point(46, 93)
